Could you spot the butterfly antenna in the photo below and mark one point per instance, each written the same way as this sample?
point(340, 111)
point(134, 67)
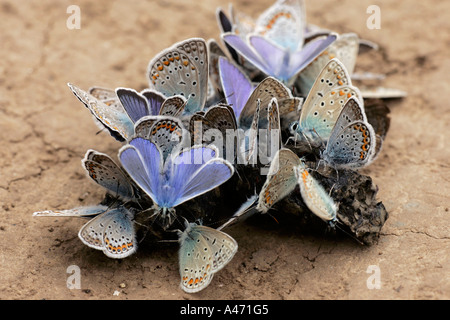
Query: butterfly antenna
point(147, 229)
point(332, 187)
point(336, 224)
point(237, 172)
point(294, 138)
point(307, 140)
point(138, 204)
point(100, 131)
point(184, 221)
point(273, 217)
point(224, 99)
point(155, 212)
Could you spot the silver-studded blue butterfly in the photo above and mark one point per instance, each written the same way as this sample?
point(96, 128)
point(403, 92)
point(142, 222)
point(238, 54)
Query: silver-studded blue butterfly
point(184, 175)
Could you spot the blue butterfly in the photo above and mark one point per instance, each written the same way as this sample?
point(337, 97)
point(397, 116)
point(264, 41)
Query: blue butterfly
point(274, 42)
point(184, 175)
point(118, 110)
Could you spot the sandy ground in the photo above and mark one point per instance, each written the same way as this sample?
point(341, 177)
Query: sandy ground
point(45, 132)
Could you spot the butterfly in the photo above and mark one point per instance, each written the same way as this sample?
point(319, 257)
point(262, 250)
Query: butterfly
point(280, 180)
point(182, 70)
point(329, 94)
point(345, 49)
point(85, 211)
point(111, 230)
point(314, 195)
point(184, 175)
point(274, 42)
point(352, 142)
point(112, 116)
point(274, 60)
point(118, 110)
point(283, 23)
point(203, 252)
point(105, 172)
point(286, 171)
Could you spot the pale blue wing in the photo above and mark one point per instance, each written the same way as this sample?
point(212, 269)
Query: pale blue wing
point(211, 175)
point(275, 57)
point(119, 237)
point(134, 103)
point(301, 59)
point(203, 252)
point(283, 23)
point(241, 46)
point(142, 160)
point(195, 259)
point(237, 87)
point(193, 172)
point(155, 100)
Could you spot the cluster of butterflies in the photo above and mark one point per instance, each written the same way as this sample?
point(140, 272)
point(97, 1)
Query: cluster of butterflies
point(207, 114)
